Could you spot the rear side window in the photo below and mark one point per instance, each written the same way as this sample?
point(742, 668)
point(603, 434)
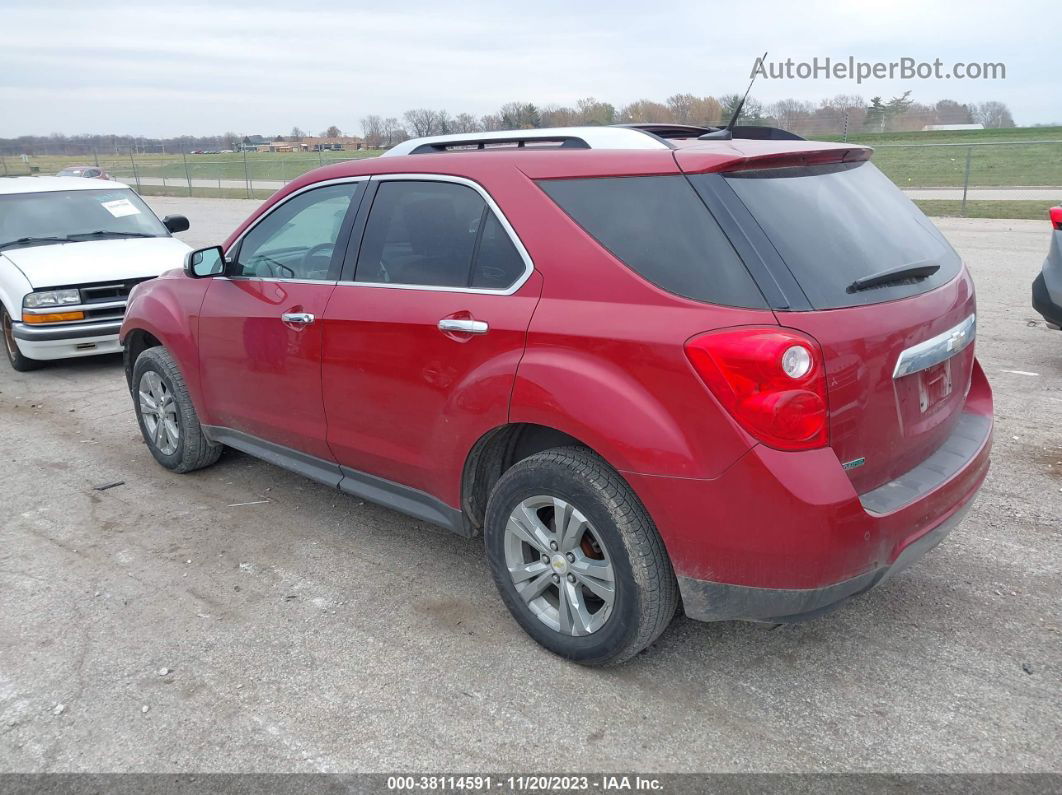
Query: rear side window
point(660, 228)
point(838, 223)
point(498, 263)
point(436, 234)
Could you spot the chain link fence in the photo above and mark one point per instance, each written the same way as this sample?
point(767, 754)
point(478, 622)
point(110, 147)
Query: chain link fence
point(967, 169)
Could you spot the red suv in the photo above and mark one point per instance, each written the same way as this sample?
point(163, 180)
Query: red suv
point(649, 369)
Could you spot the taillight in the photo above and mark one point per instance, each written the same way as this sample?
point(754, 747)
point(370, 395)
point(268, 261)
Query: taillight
point(771, 380)
point(1056, 217)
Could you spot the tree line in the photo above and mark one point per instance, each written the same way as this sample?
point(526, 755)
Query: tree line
point(833, 116)
point(828, 116)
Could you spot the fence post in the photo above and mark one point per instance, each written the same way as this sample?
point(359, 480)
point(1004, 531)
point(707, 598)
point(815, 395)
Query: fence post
point(96, 156)
point(187, 175)
point(246, 174)
point(4, 161)
point(320, 155)
point(966, 181)
point(136, 177)
point(846, 126)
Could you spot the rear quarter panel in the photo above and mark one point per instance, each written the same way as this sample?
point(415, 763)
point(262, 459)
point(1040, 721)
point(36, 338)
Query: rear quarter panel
point(605, 361)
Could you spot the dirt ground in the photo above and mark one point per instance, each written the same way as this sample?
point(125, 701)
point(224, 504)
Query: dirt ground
point(242, 618)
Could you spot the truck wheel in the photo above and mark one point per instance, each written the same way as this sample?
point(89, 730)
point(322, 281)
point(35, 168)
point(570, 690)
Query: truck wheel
point(19, 362)
point(166, 415)
point(577, 559)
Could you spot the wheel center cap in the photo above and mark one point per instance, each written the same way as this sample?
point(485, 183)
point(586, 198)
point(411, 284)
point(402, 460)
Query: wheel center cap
point(559, 563)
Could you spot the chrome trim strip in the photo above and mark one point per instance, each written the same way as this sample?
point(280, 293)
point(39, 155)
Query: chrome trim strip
point(594, 137)
point(936, 349)
point(51, 310)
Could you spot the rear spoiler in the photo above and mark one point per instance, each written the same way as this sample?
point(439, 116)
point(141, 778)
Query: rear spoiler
point(818, 157)
point(682, 131)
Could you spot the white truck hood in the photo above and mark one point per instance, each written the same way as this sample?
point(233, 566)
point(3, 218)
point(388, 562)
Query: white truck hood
point(98, 260)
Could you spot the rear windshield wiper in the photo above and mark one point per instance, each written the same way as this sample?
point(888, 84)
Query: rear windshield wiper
point(109, 233)
point(32, 241)
point(901, 274)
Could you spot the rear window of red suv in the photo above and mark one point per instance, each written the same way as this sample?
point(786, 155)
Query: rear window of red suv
point(835, 224)
point(659, 227)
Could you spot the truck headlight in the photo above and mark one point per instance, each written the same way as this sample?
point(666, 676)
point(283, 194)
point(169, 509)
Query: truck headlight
point(51, 298)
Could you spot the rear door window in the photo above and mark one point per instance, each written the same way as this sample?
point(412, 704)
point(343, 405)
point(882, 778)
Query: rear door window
point(661, 229)
point(835, 224)
point(436, 234)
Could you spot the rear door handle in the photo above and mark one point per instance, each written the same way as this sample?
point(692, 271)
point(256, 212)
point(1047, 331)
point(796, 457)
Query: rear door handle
point(463, 326)
point(298, 318)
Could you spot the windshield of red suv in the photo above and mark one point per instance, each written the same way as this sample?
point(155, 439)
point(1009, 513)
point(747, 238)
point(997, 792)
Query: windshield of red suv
point(28, 219)
point(834, 225)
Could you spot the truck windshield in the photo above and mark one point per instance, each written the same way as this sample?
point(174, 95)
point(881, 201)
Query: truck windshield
point(28, 219)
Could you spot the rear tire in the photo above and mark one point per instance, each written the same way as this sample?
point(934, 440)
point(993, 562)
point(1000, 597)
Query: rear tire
point(19, 362)
point(166, 415)
point(619, 589)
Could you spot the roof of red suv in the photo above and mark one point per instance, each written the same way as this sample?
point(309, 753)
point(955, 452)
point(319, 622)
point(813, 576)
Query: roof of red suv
point(654, 156)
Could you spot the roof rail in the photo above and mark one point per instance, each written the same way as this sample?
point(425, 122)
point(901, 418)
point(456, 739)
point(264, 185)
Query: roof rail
point(745, 131)
point(563, 137)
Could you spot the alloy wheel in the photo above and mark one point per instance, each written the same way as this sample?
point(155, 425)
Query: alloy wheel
point(159, 412)
point(559, 565)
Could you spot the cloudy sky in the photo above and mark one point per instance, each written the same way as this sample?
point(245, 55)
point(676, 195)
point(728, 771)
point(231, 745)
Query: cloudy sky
point(172, 68)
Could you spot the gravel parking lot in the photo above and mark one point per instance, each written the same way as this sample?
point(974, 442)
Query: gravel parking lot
point(244, 619)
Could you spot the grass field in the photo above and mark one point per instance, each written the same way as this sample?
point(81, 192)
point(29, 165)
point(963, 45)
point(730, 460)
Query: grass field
point(998, 158)
point(205, 193)
point(943, 208)
point(259, 165)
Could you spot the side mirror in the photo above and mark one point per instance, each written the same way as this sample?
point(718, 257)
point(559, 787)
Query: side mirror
point(204, 262)
point(175, 223)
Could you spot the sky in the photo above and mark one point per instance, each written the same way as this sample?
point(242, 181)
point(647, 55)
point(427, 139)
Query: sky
point(168, 69)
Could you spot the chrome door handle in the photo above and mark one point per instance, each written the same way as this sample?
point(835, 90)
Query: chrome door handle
point(298, 318)
point(463, 326)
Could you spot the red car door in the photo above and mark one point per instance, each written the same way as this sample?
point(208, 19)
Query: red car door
point(423, 337)
point(260, 327)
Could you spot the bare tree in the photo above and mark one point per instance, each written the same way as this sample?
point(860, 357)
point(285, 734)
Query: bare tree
point(591, 111)
point(645, 110)
point(297, 134)
point(372, 128)
point(393, 131)
point(792, 114)
point(681, 106)
point(465, 123)
point(421, 121)
point(491, 122)
point(994, 114)
point(519, 116)
point(332, 132)
point(555, 116)
point(444, 125)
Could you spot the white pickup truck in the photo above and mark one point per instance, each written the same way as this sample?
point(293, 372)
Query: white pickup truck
point(71, 249)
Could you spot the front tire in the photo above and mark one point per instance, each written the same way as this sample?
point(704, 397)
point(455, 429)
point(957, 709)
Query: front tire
point(18, 362)
point(166, 415)
point(577, 559)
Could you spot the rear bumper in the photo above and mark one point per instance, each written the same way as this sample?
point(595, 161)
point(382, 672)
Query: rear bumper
point(1049, 307)
point(785, 536)
point(712, 601)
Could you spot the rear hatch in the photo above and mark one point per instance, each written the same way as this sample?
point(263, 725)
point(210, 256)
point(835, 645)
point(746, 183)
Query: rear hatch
point(844, 256)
